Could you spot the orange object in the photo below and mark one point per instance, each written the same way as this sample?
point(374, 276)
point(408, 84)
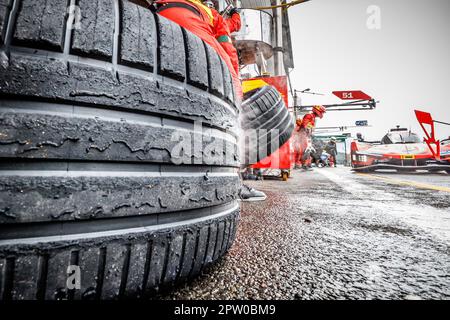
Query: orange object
point(234, 22)
point(232, 53)
point(319, 111)
point(308, 121)
point(222, 30)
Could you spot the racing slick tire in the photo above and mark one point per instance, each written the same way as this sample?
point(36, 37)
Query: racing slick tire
point(94, 203)
point(266, 122)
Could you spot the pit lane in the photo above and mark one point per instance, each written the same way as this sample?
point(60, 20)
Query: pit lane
point(333, 234)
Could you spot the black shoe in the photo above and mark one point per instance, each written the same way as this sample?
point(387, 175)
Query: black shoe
point(250, 194)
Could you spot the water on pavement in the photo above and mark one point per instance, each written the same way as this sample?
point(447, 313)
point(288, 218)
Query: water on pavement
point(333, 234)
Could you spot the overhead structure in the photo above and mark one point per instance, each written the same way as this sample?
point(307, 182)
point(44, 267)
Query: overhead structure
point(265, 38)
point(350, 106)
point(255, 39)
point(255, 4)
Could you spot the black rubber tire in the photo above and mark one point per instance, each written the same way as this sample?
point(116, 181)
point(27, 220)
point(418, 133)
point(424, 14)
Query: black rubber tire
point(365, 170)
point(87, 170)
point(266, 122)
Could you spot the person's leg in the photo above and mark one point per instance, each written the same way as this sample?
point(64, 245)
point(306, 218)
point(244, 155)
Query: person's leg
point(297, 157)
point(303, 146)
point(306, 160)
point(232, 53)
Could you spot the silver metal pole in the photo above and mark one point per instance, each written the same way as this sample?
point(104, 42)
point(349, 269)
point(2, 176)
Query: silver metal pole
point(278, 56)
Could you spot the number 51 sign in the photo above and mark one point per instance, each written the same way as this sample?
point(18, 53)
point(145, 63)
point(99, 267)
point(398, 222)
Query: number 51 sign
point(352, 95)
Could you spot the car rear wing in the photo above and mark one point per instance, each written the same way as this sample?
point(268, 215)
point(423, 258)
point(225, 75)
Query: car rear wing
point(434, 145)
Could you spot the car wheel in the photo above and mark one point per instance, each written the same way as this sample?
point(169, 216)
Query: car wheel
point(89, 174)
point(266, 122)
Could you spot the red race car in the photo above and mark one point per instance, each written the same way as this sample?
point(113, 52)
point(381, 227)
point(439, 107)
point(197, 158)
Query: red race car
point(403, 150)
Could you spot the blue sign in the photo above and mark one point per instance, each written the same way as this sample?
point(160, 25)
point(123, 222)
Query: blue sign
point(362, 123)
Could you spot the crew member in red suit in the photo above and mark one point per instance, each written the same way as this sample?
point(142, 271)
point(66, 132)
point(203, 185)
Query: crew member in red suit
point(302, 138)
point(223, 33)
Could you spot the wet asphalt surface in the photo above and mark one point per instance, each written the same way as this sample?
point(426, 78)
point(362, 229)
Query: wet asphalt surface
point(333, 234)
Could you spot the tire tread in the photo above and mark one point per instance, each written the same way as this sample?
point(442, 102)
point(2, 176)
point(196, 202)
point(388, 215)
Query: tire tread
point(150, 70)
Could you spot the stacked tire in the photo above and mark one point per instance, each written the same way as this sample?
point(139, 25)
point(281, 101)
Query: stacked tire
point(90, 105)
point(266, 123)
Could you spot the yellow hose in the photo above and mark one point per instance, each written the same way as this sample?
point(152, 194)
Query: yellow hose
point(283, 5)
